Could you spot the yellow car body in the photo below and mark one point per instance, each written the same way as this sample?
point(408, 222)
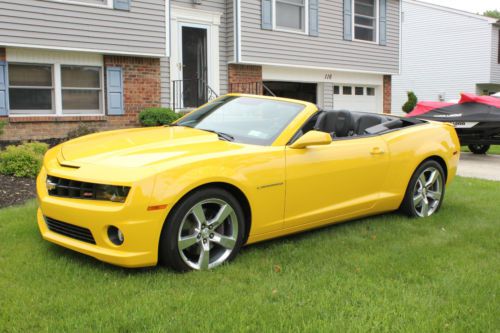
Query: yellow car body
point(285, 190)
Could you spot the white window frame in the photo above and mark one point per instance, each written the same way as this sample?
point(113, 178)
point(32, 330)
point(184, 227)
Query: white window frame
point(285, 29)
point(377, 20)
point(107, 4)
point(26, 112)
point(101, 95)
point(57, 94)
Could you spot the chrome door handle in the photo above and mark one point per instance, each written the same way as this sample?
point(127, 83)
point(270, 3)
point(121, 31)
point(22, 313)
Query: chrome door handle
point(377, 151)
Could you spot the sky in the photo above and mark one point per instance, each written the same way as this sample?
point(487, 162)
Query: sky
point(473, 6)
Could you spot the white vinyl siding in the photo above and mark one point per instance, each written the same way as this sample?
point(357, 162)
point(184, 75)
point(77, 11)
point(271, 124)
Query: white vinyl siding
point(437, 65)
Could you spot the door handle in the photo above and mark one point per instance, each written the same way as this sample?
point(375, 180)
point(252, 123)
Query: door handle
point(377, 151)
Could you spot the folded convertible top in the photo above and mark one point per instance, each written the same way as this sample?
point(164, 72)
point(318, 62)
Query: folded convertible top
point(469, 108)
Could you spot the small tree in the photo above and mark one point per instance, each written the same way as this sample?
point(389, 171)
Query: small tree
point(492, 13)
point(411, 102)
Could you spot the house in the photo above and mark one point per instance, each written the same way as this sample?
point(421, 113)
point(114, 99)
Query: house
point(63, 62)
point(445, 52)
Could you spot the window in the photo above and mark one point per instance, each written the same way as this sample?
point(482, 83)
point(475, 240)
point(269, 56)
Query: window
point(97, 3)
point(370, 91)
point(365, 20)
point(290, 14)
point(55, 89)
point(81, 89)
point(31, 89)
point(346, 90)
point(358, 91)
point(336, 90)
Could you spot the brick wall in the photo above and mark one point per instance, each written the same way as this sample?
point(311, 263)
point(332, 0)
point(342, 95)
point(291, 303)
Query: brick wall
point(245, 79)
point(387, 91)
point(141, 89)
point(2, 54)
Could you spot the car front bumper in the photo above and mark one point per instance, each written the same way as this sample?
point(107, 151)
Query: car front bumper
point(141, 228)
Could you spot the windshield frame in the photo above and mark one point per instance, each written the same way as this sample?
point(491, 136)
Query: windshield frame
point(282, 136)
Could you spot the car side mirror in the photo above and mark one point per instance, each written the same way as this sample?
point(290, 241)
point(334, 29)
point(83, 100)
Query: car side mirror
point(312, 138)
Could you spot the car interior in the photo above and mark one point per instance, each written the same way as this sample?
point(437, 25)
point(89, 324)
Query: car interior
point(342, 124)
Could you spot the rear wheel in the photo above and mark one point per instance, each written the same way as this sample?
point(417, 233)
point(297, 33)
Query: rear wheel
point(479, 148)
point(203, 232)
point(425, 192)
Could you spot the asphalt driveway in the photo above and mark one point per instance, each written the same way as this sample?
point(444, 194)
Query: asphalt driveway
point(479, 166)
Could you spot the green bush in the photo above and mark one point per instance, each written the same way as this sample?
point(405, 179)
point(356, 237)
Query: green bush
point(81, 130)
point(24, 160)
point(411, 102)
point(2, 125)
point(157, 116)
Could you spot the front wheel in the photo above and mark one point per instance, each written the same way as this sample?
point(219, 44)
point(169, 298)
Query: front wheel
point(203, 232)
point(425, 191)
point(479, 149)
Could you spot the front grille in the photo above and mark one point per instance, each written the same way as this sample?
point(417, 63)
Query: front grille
point(70, 230)
point(67, 188)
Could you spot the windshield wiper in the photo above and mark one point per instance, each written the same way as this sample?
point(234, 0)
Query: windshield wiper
point(223, 136)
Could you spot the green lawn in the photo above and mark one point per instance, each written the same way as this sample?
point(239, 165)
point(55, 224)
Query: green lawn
point(387, 273)
point(495, 149)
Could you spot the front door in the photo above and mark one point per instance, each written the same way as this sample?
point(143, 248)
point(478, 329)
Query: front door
point(341, 179)
point(194, 66)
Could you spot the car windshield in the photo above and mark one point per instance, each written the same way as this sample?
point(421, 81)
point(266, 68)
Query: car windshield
point(244, 119)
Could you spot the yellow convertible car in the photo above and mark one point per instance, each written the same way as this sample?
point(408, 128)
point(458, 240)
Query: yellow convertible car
point(236, 171)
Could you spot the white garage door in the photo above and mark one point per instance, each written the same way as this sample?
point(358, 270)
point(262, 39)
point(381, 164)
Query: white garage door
point(355, 98)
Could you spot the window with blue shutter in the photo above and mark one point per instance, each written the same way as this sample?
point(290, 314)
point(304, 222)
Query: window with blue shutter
point(4, 91)
point(267, 14)
point(314, 18)
point(122, 4)
point(114, 79)
point(348, 19)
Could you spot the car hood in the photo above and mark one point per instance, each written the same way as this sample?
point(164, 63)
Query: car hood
point(142, 146)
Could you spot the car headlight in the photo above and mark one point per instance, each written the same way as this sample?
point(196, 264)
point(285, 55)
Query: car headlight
point(111, 192)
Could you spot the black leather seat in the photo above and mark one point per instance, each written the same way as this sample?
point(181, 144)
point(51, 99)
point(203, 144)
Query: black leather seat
point(337, 123)
point(365, 122)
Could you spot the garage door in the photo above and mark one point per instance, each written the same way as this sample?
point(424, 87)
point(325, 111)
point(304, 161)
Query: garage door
point(354, 98)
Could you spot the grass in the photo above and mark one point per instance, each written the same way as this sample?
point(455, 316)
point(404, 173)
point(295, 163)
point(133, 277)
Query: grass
point(386, 273)
point(494, 149)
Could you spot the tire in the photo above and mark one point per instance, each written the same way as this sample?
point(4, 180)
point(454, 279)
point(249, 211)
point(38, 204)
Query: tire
point(425, 193)
point(205, 230)
point(479, 149)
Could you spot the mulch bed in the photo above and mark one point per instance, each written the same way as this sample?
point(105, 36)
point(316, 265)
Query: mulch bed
point(15, 191)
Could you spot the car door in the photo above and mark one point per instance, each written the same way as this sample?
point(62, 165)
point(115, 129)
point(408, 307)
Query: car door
point(343, 178)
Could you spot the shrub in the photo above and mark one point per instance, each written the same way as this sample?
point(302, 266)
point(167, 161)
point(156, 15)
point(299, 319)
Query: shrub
point(2, 125)
point(81, 130)
point(23, 160)
point(410, 103)
point(157, 116)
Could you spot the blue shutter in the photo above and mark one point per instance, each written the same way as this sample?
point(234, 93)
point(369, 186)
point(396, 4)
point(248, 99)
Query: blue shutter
point(122, 4)
point(4, 91)
point(114, 79)
point(314, 18)
point(267, 14)
point(383, 22)
point(348, 19)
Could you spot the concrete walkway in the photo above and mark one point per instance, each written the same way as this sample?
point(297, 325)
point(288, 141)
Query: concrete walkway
point(479, 166)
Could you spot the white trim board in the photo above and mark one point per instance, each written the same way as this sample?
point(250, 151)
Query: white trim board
point(181, 16)
point(346, 70)
point(100, 51)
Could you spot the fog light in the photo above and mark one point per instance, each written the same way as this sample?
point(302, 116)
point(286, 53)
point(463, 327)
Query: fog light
point(115, 235)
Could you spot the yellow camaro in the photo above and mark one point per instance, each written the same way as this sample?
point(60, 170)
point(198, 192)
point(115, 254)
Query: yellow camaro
point(238, 170)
